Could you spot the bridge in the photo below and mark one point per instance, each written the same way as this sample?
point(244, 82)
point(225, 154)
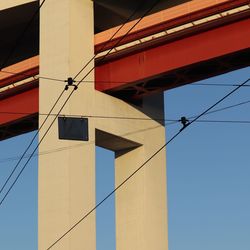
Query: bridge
point(172, 47)
point(177, 43)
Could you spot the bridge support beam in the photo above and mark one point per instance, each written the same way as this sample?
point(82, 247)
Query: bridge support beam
point(67, 176)
point(141, 206)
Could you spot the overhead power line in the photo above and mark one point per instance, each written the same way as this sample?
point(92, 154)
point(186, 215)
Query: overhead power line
point(61, 94)
point(128, 118)
point(15, 158)
point(225, 121)
point(28, 76)
point(63, 105)
point(74, 146)
point(63, 80)
point(132, 173)
point(32, 140)
point(47, 78)
point(143, 165)
point(139, 6)
point(118, 82)
point(217, 85)
point(28, 147)
point(167, 122)
point(216, 110)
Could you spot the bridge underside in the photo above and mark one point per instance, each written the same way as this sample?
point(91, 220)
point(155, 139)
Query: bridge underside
point(185, 75)
point(114, 12)
point(181, 57)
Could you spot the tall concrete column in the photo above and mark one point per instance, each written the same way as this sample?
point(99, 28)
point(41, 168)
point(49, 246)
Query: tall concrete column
point(141, 213)
point(66, 178)
point(141, 203)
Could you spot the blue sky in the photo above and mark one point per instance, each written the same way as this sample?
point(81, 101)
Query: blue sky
point(208, 170)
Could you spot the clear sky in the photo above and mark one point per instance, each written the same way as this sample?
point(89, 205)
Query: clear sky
point(208, 170)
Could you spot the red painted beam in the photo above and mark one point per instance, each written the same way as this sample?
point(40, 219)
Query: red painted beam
point(19, 106)
point(164, 20)
point(19, 76)
point(150, 63)
point(19, 71)
point(156, 61)
point(143, 65)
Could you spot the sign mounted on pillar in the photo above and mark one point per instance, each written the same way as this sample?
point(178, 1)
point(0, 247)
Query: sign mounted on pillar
point(72, 128)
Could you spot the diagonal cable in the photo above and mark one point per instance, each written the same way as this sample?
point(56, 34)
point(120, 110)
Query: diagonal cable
point(169, 121)
point(33, 139)
point(30, 144)
point(143, 165)
point(139, 6)
point(46, 132)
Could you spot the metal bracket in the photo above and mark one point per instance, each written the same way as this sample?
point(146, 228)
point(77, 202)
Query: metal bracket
point(184, 121)
point(70, 82)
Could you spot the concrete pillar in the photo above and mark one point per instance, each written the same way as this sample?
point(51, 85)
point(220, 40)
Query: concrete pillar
point(141, 204)
point(66, 178)
point(141, 214)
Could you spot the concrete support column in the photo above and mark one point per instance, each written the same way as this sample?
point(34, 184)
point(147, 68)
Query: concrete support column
point(141, 213)
point(66, 178)
point(141, 204)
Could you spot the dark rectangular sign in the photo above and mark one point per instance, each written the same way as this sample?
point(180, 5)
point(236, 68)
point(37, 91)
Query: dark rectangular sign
point(71, 128)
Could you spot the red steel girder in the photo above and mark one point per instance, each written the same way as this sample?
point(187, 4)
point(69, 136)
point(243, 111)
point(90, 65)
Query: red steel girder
point(157, 61)
point(19, 106)
point(23, 70)
point(188, 12)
